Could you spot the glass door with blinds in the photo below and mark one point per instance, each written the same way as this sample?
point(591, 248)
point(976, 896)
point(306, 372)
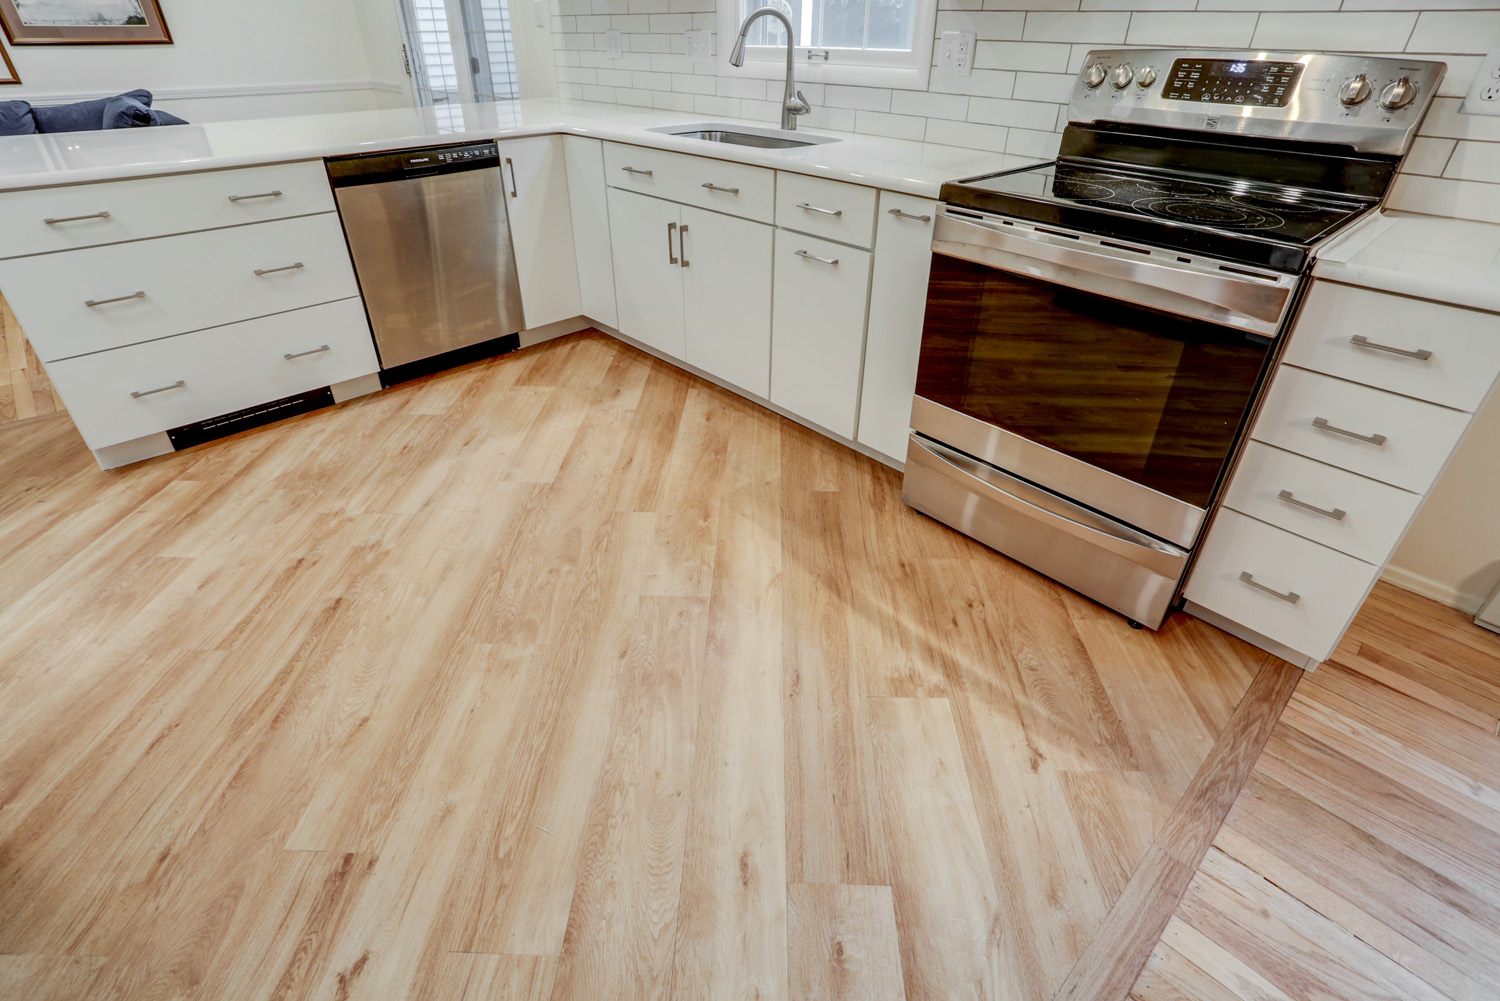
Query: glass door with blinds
point(459, 51)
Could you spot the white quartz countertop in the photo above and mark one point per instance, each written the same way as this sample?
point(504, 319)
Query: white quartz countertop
point(1446, 260)
point(35, 161)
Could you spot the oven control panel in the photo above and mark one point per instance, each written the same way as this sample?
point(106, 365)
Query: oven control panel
point(1372, 103)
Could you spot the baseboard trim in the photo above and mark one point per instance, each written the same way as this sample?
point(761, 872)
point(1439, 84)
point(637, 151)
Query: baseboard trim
point(1436, 590)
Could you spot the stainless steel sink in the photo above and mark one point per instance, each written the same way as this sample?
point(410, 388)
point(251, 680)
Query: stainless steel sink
point(739, 135)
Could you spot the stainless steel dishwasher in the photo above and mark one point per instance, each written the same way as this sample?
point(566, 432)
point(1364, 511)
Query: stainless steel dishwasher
point(430, 238)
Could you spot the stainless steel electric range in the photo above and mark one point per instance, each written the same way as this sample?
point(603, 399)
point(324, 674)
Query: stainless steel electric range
point(1098, 328)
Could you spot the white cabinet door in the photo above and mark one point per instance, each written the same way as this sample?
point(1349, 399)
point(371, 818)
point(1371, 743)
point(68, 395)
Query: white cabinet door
point(648, 272)
point(898, 301)
point(596, 269)
point(541, 227)
point(818, 329)
point(726, 287)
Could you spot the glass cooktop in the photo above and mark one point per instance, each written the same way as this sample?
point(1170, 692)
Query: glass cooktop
point(1193, 211)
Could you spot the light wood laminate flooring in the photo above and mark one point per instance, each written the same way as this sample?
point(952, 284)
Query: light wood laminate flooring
point(1360, 860)
point(562, 675)
point(25, 390)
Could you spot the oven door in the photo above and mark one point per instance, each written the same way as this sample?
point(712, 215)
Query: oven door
point(1118, 377)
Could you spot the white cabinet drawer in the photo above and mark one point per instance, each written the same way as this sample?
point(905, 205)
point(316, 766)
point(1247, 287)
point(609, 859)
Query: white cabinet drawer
point(1315, 415)
point(818, 329)
point(1328, 586)
point(1359, 335)
point(190, 282)
point(220, 371)
point(158, 206)
point(720, 185)
point(831, 209)
point(1353, 514)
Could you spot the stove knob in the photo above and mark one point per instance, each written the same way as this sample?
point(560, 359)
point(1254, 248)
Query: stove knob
point(1146, 77)
point(1398, 95)
point(1095, 75)
point(1354, 91)
point(1122, 76)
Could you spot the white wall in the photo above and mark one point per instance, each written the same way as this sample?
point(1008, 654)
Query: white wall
point(231, 60)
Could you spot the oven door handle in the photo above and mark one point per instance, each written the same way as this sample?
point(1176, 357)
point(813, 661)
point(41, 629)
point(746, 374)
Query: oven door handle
point(1113, 537)
point(1243, 301)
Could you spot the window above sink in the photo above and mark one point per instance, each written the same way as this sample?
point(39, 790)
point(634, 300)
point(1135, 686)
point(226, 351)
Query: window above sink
point(880, 43)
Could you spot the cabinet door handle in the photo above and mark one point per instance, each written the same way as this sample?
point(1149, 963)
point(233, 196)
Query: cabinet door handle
point(91, 303)
point(160, 389)
point(1290, 597)
point(682, 243)
point(512, 165)
point(263, 194)
point(77, 218)
point(907, 215)
point(1337, 513)
point(671, 228)
point(304, 354)
point(1361, 341)
point(632, 170)
point(262, 272)
point(715, 187)
point(821, 260)
point(814, 208)
point(1321, 423)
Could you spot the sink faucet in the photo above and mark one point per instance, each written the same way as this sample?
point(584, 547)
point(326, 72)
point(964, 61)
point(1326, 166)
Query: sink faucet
point(794, 103)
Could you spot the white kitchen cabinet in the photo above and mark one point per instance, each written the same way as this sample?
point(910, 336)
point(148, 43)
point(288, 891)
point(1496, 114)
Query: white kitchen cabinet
point(534, 171)
point(898, 301)
point(726, 288)
point(590, 205)
point(648, 270)
point(818, 329)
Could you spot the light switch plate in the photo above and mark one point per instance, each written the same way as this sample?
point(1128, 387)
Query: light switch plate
point(955, 53)
point(1484, 93)
point(700, 45)
point(612, 44)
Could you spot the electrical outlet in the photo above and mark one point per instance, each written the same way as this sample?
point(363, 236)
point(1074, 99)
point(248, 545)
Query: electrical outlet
point(539, 10)
point(955, 53)
point(700, 45)
point(1484, 93)
point(612, 44)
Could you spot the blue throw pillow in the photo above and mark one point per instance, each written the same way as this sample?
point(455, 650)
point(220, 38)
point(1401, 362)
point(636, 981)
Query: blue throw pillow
point(128, 113)
point(16, 119)
point(85, 116)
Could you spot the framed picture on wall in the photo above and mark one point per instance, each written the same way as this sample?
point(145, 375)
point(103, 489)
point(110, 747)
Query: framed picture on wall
point(7, 69)
point(84, 22)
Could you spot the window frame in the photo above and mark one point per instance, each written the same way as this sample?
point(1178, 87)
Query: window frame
point(893, 68)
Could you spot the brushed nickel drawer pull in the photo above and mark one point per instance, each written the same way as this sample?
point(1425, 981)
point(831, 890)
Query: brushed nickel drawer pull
point(77, 218)
point(671, 257)
point(1321, 423)
point(814, 208)
point(632, 170)
point(682, 243)
point(91, 303)
point(512, 165)
point(715, 187)
point(304, 354)
point(820, 260)
point(1361, 341)
point(1337, 514)
point(152, 392)
point(907, 215)
point(1290, 597)
point(263, 194)
point(262, 272)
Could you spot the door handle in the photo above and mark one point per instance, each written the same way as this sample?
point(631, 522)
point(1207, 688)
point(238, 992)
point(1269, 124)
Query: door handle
point(304, 354)
point(91, 303)
point(512, 165)
point(671, 228)
point(1321, 423)
point(263, 194)
point(715, 187)
point(632, 170)
point(180, 383)
point(1361, 341)
point(814, 257)
point(77, 218)
point(1336, 513)
point(262, 272)
point(907, 215)
point(813, 208)
point(1290, 597)
point(682, 243)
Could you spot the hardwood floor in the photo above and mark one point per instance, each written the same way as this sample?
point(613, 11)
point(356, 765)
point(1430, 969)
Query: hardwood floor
point(563, 675)
point(1359, 862)
point(25, 391)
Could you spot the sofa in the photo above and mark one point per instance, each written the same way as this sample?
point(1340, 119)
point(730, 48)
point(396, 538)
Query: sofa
point(131, 110)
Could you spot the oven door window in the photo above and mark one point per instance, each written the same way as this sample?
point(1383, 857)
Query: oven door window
point(1150, 396)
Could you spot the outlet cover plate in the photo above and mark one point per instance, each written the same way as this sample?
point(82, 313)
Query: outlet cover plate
point(955, 53)
point(1484, 93)
point(700, 45)
point(612, 44)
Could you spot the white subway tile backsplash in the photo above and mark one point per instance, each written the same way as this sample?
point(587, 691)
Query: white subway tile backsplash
point(857, 98)
point(1054, 87)
point(1445, 197)
point(1336, 32)
point(1032, 142)
point(1102, 27)
point(967, 134)
point(1475, 161)
point(990, 25)
point(1429, 156)
point(1138, 5)
point(1013, 114)
point(929, 105)
point(1263, 5)
point(1042, 58)
point(878, 123)
point(1031, 4)
point(1192, 30)
point(985, 83)
point(1471, 31)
